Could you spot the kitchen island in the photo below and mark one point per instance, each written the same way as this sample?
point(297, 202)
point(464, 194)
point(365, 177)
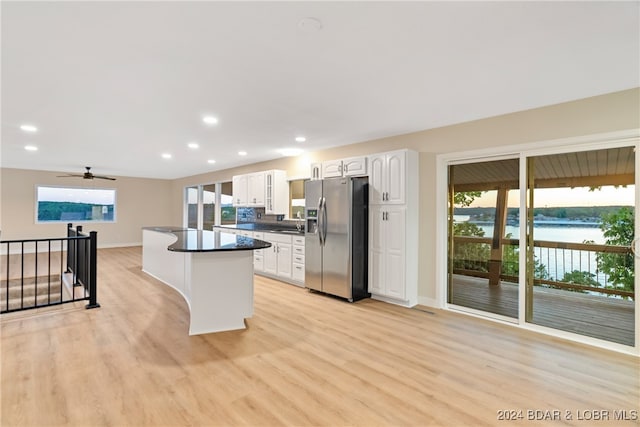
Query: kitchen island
point(212, 270)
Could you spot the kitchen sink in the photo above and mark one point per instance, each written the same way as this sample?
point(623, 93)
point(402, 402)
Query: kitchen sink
point(288, 231)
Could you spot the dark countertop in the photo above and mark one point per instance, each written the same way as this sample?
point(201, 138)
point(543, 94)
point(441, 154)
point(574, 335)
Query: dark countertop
point(191, 240)
point(270, 228)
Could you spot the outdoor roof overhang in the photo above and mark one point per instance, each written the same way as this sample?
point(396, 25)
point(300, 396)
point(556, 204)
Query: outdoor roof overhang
point(612, 166)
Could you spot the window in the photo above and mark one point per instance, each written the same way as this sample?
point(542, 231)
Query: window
point(205, 203)
point(296, 196)
point(227, 211)
point(69, 204)
point(208, 206)
point(192, 207)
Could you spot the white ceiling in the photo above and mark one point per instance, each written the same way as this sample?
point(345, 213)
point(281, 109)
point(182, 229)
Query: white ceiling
point(114, 84)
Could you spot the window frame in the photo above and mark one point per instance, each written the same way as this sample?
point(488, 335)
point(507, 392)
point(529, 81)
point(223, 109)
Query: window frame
point(67, 187)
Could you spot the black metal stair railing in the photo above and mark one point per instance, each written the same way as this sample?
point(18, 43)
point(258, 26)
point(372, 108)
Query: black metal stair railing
point(34, 274)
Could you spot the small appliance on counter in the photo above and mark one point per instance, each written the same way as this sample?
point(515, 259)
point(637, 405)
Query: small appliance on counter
point(336, 236)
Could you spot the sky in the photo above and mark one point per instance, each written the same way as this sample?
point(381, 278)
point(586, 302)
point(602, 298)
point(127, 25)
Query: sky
point(564, 197)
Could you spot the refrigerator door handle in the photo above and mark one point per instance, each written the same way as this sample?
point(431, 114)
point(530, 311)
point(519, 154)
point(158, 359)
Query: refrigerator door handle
point(324, 221)
point(320, 205)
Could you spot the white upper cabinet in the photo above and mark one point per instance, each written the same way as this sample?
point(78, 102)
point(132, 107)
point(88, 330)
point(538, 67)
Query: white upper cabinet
point(387, 178)
point(256, 189)
point(331, 168)
point(240, 190)
point(353, 166)
point(276, 201)
point(268, 189)
point(316, 171)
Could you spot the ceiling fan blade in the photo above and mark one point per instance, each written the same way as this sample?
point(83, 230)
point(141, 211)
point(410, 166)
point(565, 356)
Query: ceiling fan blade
point(104, 177)
point(70, 176)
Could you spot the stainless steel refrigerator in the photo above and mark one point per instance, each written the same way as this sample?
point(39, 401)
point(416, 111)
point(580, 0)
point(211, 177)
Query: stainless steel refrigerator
point(336, 234)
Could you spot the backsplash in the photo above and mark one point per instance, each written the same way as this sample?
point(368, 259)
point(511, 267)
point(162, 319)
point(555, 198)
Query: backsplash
point(257, 215)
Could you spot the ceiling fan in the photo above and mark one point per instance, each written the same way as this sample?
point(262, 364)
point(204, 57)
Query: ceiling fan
point(86, 175)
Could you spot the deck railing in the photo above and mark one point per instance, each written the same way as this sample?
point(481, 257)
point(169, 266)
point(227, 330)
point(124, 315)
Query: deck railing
point(34, 272)
point(562, 265)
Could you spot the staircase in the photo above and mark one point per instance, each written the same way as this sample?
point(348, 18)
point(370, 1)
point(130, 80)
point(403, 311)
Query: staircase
point(22, 292)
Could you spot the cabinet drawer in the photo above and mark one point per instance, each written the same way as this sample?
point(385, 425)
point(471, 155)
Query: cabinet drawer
point(298, 272)
point(279, 238)
point(258, 262)
point(298, 250)
point(298, 259)
point(258, 235)
point(298, 240)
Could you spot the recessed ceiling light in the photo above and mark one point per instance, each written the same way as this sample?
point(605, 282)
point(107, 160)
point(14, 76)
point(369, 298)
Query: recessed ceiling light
point(300, 139)
point(290, 151)
point(31, 148)
point(29, 128)
point(211, 161)
point(166, 155)
point(210, 120)
point(193, 145)
point(242, 153)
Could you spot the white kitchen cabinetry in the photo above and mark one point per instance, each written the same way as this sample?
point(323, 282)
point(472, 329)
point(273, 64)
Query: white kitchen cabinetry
point(387, 251)
point(331, 168)
point(258, 255)
point(276, 193)
point(388, 178)
point(297, 273)
point(255, 189)
point(353, 166)
point(268, 189)
point(316, 171)
point(277, 258)
point(393, 227)
point(240, 190)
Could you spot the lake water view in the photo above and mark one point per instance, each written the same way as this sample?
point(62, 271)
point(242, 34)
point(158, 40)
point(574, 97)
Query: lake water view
point(573, 234)
point(560, 261)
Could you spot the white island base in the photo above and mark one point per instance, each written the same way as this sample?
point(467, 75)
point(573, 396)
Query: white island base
point(217, 285)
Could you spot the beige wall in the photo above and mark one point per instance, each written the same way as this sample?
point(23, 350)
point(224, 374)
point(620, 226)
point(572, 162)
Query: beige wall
point(139, 202)
point(600, 114)
point(162, 200)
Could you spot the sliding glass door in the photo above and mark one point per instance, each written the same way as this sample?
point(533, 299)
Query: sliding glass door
point(483, 236)
point(580, 231)
point(573, 270)
point(202, 206)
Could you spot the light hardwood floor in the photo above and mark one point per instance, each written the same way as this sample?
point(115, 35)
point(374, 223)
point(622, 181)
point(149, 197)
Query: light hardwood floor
point(305, 359)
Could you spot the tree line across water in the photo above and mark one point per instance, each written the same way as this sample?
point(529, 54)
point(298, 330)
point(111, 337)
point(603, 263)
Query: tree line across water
point(578, 213)
point(616, 222)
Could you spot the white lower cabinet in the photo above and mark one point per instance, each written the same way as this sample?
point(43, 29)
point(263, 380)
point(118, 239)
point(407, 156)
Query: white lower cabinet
point(386, 251)
point(277, 258)
point(258, 254)
point(298, 260)
point(284, 260)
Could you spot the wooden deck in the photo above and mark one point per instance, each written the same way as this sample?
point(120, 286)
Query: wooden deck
point(600, 317)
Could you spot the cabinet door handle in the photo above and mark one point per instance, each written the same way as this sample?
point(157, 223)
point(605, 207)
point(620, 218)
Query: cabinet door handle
point(346, 168)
